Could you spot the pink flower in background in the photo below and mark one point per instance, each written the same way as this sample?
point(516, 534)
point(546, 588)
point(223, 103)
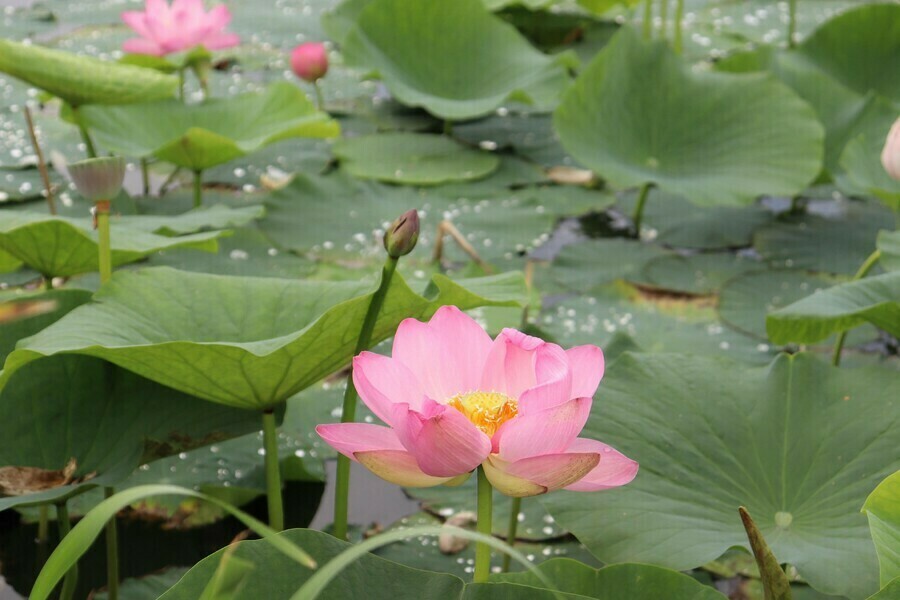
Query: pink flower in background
point(310, 61)
point(454, 399)
point(184, 25)
point(890, 156)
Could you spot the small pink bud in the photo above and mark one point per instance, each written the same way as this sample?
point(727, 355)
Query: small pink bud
point(402, 235)
point(310, 61)
point(890, 156)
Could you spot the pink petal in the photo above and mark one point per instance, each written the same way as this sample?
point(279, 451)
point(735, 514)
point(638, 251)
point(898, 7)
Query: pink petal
point(350, 438)
point(614, 469)
point(509, 367)
point(554, 381)
point(382, 382)
point(587, 365)
point(398, 467)
point(507, 484)
point(447, 354)
point(137, 21)
point(444, 442)
point(218, 17)
point(550, 471)
point(142, 46)
point(218, 41)
point(548, 431)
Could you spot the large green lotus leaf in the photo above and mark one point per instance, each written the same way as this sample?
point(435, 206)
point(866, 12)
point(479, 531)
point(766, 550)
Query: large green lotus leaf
point(60, 246)
point(643, 582)
point(415, 159)
point(883, 509)
point(149, 587)
point(889, 592)
point(242, 341)
point(714, 138)
point(697, 273)
point(861, 161)
point(106, 418)
point(278, 576)
point(799, 443)
point(82, 79)
point(582, 267)
point(217, 216)
point(889, 244)
point(200, 136)
point(475, 65)
point(874, 300)
point(530, 135)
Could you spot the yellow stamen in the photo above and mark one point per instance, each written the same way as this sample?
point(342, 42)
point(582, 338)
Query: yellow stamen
point(487, 410)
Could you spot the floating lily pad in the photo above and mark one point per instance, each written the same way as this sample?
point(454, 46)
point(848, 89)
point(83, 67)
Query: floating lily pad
point(217, 216)
point(60, 246)
point(475, 65)
point(415, 159)
point(530, 135)
point(874, 300)
point(805, 444)
point(200, 136)
point(697, 273)
point(82, 79)
point(713, 138)
point(582, 267)
point(250, 348)
point(883, 510)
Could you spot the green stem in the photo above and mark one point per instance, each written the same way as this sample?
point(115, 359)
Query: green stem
point(485, 509)
point(348, 413)
point(320, 99)
point(145, 176)
point(515, 508)
point(273, 472)
point(862, 272)
point(448, 127)
point(85, 136)
point(679, 17)
point(43, 534)
point(165, 186)
point(639, 209)
point(181, 84)
point(71, 580)
point(792, 23)
point(112, 552)
point(664, 15)
point(648, 19)
point(198, 189)
point(104, 248)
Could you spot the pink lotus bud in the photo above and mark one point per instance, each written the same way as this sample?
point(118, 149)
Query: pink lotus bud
point(402, 235)
point(310, 61)
point(890, 156)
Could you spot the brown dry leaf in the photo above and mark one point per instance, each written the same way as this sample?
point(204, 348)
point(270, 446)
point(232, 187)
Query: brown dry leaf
point(15, 311)
point(18, 481)
point(570, 175)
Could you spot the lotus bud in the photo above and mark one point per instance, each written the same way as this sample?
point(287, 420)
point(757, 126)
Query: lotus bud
point(890, 156)
point(310, 61)
point(98, 178)
point(402, 235)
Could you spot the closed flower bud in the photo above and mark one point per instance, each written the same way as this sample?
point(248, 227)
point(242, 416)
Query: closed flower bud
point(310, 61)
point(402, 235)
point(890, 156)
point(98, 178)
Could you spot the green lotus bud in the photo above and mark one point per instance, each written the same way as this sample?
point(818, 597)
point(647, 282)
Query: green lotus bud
point(402, 235)
point(98, 178)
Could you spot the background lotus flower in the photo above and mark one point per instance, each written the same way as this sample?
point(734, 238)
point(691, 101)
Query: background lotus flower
point(310, 61)
point(453, 399)
point(890, 155)
point(184, 25)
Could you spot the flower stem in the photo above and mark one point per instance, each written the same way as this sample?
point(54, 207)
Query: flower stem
point(348, 413)
point(647, 24)
point(273, 472)
point(515, 508)
point(198, 188)
point(104, 248)
point(320, 99)
point(639, 209)
point(42, 164)
point(181, 84)
point(71, 580)
point(679, 17)
point(862, 272)
point(792, 23)
point(448, 127)
point(485, 509)
point(145, 177)
point(664, 15)
point(112, 553)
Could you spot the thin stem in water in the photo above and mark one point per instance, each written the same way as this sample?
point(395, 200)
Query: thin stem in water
point(104, 248)
point(515, 508)
point(273, 471)
point(485, 512)
point(639, 209)
point(679, 17)
point(71, 580)
point(448, 127)
point(862, 272)
point(647, 24)
point(85, 136)
point(664, 16)
point(181, 84)
point(348, 413)
point(792, 23)
point(145, 176)
point(320, 99)
point(112, 552)
point(42, 165)
point(198, 189)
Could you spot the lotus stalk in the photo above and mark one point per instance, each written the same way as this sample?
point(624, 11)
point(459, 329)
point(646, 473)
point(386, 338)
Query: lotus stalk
point(485, 516)
point(842, 337)
point(647, 22)
point(792, 23)
point(639, 209)
point(198, 188)
point(515, 507)
point(677, 42)
point(273, 472)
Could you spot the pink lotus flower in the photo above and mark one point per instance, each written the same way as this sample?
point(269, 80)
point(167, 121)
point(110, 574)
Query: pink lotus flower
point(310, 61)
point(165, 29)
point(454, 400)
point(890, 156)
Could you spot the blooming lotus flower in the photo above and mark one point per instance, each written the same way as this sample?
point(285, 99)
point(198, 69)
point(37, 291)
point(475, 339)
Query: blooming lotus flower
point(184, 25)
point(890, 155)
point(310, 61)
point(453, 400)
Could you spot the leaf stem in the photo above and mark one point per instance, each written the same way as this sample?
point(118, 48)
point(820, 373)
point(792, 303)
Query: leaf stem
point(647, 24)
point(485, 509)
point(112, 552)
point(792, 23)
point(181, 84)
point(515, 508)
point(145, 176)
point(448, 127)
point(42, 165)
point(348, 413)
point(85, 135)
point(320, 99)
point(679, 17)
point(862, 272)
point(198, 188)
point(103, 239)
point(639, 209)
point(664, 16)
point(71, 580)
point(273, 471)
